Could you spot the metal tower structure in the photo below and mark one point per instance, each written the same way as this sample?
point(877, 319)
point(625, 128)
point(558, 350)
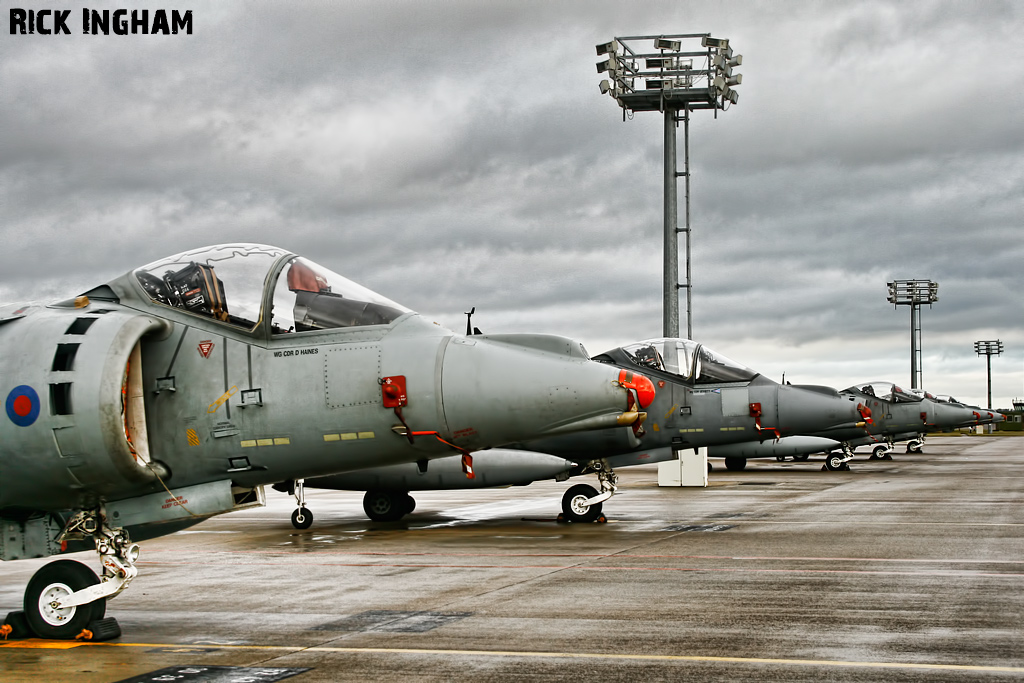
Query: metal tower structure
point(988, 349)
point(672, 85)
point(913, 293)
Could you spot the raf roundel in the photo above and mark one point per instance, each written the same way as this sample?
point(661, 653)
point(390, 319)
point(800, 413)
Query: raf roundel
point(23, 405)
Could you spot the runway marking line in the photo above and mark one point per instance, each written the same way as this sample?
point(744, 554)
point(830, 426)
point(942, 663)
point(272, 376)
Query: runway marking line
point(736, 570)
point(35, 643)
point(776, 558)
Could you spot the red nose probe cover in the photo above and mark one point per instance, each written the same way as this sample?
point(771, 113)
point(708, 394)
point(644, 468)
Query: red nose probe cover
point(643, 387)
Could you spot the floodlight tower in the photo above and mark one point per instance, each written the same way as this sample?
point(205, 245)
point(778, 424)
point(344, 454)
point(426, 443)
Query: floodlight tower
point(671, 85)
point(913, 293)
point(988, 349)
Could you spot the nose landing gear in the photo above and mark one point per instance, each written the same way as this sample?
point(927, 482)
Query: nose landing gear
point(65, 599)
point(582, 503)
point(302, 518)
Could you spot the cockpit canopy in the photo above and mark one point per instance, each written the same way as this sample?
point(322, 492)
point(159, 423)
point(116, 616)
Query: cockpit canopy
point(886, 391)
point(695, 363)
point(231, 282)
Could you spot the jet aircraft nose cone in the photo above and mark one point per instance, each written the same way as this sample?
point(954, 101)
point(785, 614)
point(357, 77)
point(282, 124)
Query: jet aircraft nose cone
point(813, 409)
point(501, 389)
point(641, 384)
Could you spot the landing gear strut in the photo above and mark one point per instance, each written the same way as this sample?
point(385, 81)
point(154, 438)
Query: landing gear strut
point(582, 503)
point(66, 599)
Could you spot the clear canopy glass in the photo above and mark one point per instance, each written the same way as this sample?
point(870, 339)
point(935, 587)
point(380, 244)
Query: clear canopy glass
point(227, 283)
point(310, 297)
point(887, 391)
point(689, 360)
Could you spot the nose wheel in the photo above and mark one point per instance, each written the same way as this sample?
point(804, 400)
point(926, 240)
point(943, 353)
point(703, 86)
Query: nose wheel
point(883, 451)
point(582, 502)
point(834, 462)
point(65, 599)
point(52, 585)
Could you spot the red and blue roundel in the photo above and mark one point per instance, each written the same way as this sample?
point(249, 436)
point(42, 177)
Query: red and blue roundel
point(23, 405)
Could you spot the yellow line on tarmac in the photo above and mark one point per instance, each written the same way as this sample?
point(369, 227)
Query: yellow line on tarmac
point(298, 649)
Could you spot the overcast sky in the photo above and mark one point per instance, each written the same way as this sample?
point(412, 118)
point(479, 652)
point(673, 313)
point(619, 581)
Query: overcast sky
point(459, 154)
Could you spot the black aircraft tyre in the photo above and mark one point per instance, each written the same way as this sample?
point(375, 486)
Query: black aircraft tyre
point(735, 464)
point(914, 447)
point(384, 506)
point(55, 580)
point(302, 518)
point(574, 507)
point(834, 462)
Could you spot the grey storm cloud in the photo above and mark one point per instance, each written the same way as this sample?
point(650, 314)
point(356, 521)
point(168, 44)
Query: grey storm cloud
point(458, 154)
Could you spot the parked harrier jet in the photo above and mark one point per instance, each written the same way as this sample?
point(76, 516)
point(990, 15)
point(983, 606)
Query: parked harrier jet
point(897, 420)
point(893, 415)
point(176, 391)
point(703, 399)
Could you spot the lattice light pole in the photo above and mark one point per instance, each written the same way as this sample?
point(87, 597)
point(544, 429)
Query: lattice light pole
point(913, 293)
point(988, 349)
point(671, 84)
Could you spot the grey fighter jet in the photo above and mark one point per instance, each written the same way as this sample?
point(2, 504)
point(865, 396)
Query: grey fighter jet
point(176, 391)
point(900, 415)
point(892, 415)
point(703, 399)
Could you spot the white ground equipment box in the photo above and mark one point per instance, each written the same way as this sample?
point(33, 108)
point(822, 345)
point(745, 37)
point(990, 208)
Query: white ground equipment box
point(690, 468)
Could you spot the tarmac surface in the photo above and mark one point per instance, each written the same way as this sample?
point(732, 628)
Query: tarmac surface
point(903, 570)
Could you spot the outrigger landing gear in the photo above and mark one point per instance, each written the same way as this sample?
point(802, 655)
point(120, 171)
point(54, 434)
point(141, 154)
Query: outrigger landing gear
point(302, 518)
point(915, 445)
point(582, 503)
point(65, 599)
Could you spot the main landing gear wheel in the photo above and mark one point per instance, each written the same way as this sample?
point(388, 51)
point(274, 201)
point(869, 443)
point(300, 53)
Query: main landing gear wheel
point(914, 446)
point(834, 462)
point(735, 464)
point(574, 504)
point(387, 506)
point(302, 518)
point(51, 583)
point(410, 504)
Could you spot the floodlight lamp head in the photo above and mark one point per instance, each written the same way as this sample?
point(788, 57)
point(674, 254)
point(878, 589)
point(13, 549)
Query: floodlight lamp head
point(665, 44)
point(605, 86)
point(736, 61)
point(610, 65)
point(608, 48)
point(716, 43)
point(734, 80)
point(732, 96)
